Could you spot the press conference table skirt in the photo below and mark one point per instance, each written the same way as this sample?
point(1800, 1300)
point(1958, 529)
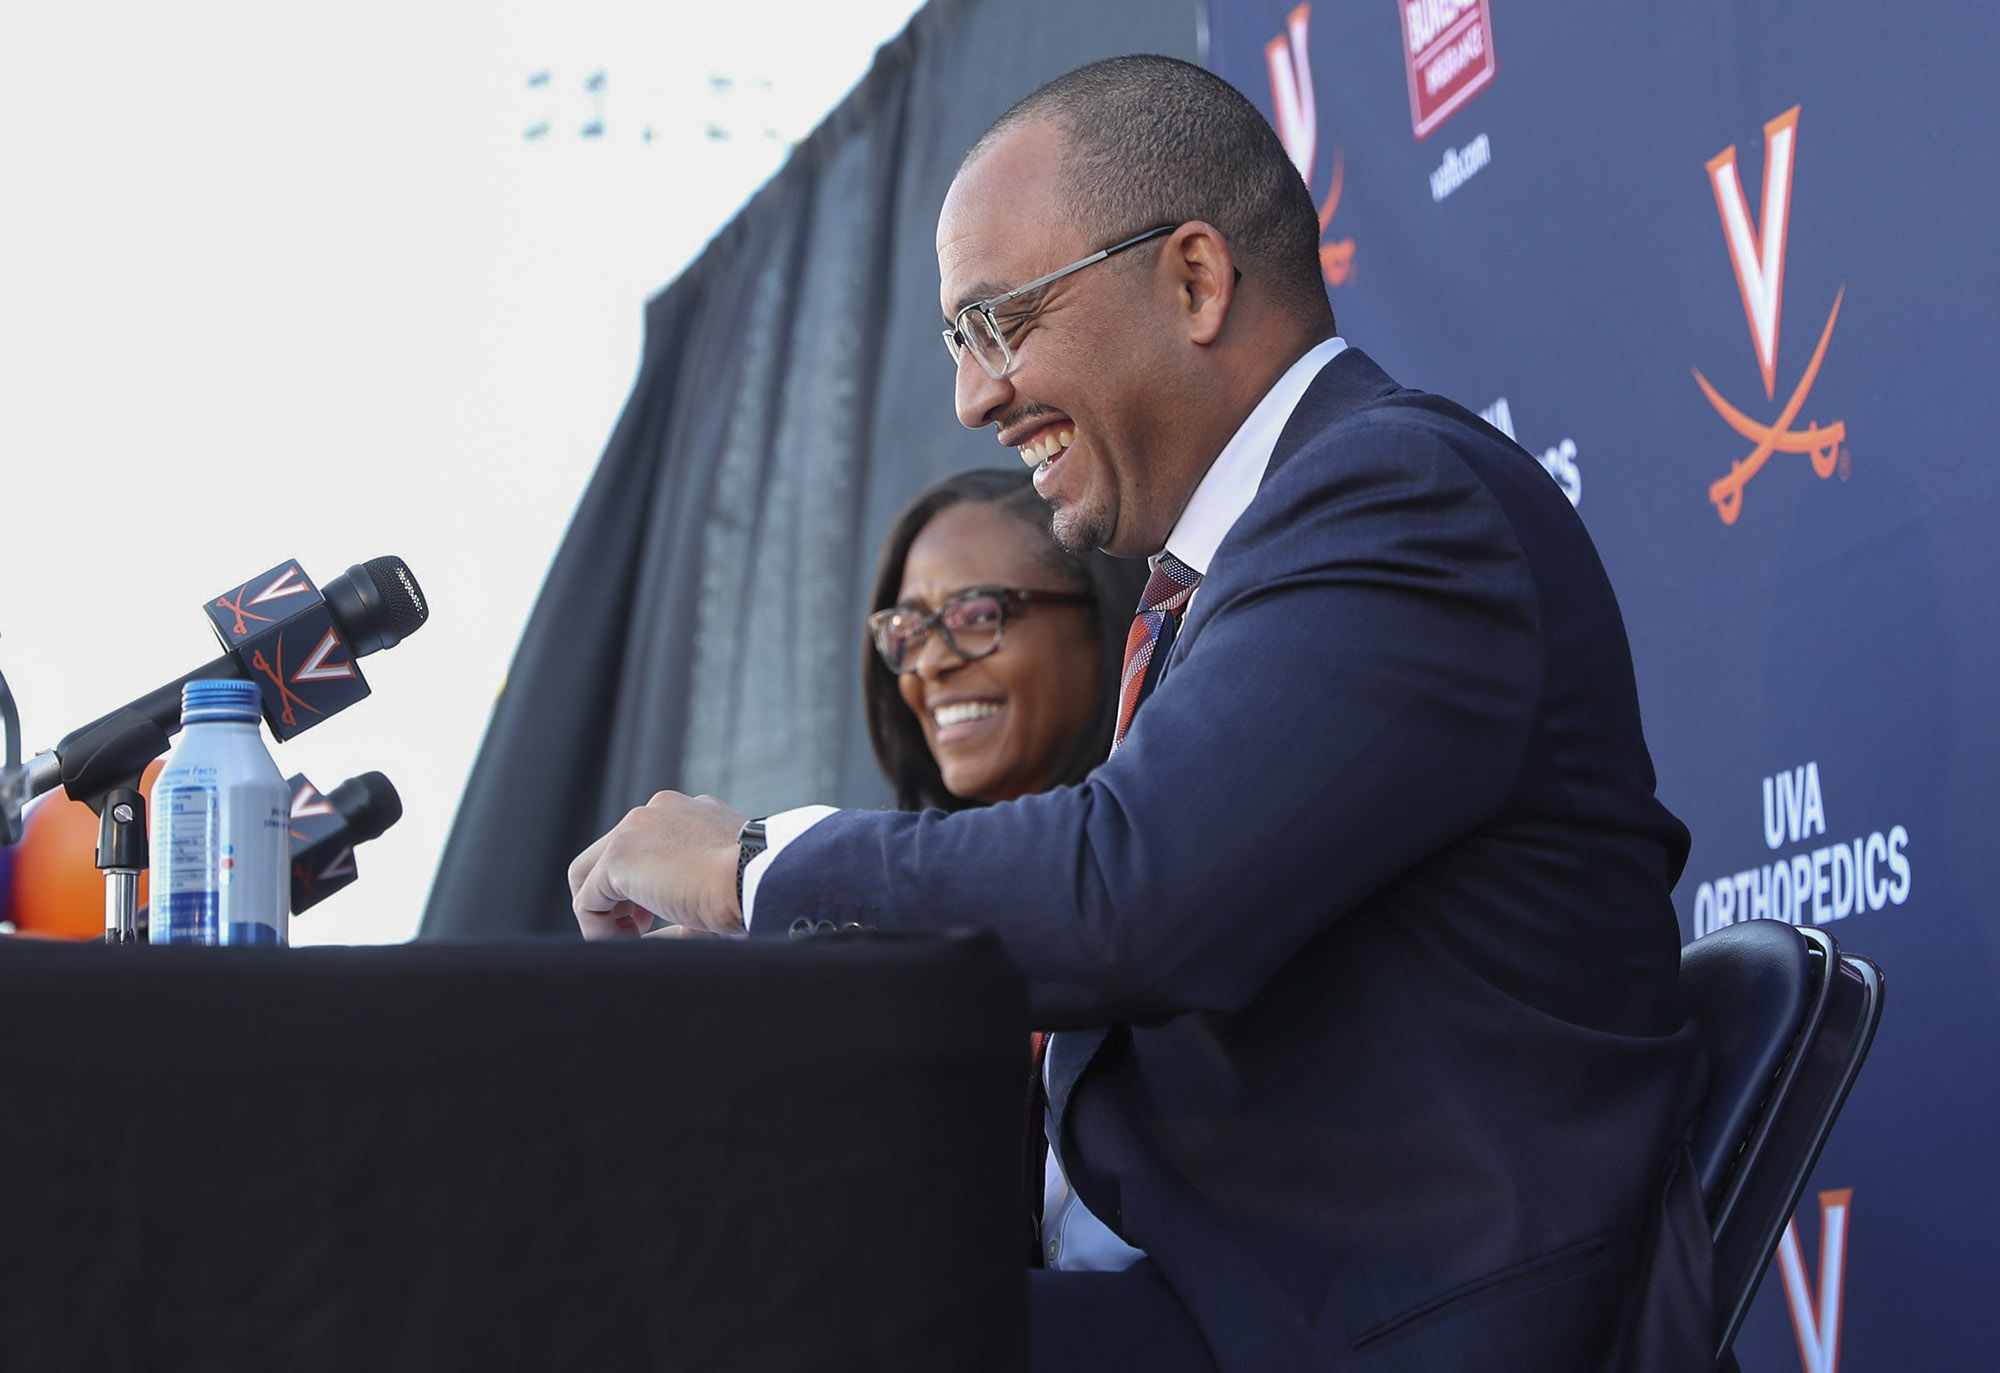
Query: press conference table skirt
point(702, 1155)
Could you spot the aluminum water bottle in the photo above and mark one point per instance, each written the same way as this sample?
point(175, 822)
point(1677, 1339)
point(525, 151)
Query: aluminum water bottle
point(221, 869)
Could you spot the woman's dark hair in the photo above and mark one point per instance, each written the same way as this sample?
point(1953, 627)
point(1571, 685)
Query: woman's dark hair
point(1114, 585)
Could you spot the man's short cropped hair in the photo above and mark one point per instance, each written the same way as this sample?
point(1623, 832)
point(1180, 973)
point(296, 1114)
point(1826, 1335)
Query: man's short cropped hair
point(1154, 140)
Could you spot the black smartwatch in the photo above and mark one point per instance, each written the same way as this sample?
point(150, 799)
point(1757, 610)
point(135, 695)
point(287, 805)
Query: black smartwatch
point(750, 842)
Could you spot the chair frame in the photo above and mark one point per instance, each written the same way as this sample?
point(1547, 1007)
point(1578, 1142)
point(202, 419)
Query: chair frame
point(1761, 1189)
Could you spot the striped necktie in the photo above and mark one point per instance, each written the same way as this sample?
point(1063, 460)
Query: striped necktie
point(1153, 628)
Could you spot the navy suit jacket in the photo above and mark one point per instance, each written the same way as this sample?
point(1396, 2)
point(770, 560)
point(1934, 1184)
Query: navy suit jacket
point(1365, 930)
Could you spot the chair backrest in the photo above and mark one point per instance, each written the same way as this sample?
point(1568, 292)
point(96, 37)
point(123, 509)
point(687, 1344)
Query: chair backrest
point(1752, 990)
point(1786, 1020)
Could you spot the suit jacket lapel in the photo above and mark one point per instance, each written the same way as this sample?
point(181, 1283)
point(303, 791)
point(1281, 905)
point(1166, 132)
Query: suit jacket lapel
point(1346, 384)
point(1343, 386)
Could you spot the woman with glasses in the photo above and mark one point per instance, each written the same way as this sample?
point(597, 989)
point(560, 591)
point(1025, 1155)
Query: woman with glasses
point(994, 658)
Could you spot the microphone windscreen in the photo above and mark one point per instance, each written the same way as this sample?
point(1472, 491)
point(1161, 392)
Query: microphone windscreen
point(368, 804)
point(402, 599)
point(377, 604)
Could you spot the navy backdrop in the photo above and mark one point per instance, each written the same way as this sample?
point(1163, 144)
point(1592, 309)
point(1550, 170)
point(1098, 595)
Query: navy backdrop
point(1730, 270)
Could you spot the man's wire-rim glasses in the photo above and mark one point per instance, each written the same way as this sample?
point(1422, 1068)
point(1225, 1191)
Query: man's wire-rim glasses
point(977, 327)
point(971, 623)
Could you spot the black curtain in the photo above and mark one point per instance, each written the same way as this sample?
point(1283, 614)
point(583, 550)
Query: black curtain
point(700, 626)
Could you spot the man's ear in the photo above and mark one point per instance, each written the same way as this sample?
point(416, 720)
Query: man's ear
point(1204, 276)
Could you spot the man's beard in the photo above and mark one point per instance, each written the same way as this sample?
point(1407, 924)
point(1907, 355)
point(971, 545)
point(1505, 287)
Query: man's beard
point(1081, 529)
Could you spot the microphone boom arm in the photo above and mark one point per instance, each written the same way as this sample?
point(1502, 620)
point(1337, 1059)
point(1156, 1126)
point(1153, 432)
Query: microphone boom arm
point(112, 750)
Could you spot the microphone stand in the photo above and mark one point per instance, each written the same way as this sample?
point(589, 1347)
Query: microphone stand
point(374, 606)
point(100, 765)
point(121, 854)
point(13, 777)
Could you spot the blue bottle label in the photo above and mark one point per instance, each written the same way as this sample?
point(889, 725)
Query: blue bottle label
point(192, 917)
point(220, 870)
point(188, 820)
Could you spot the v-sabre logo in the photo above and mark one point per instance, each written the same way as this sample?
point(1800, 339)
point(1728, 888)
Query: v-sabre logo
point(1816, 1315)
point(1758, 253)
point(1296, 116)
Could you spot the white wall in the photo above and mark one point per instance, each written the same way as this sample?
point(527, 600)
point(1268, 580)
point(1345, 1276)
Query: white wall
point(279, 283)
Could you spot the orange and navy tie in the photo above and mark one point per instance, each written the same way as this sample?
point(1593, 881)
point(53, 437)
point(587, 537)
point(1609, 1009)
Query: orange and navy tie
point(1153, 628)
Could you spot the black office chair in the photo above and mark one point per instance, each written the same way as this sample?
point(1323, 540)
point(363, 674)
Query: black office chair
point(1786, 1019)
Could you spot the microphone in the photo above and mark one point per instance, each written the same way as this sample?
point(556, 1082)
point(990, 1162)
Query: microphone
point(296, 642)
point(299, 644)
point(326, 827)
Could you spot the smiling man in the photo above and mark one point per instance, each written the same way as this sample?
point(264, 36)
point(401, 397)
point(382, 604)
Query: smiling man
point(1359, 950)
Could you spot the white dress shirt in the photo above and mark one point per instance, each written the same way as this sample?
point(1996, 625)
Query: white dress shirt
point(1073, 1239)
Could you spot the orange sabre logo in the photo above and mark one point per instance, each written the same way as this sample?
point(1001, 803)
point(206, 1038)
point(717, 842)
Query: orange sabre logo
point(1757, 251)
point(320, 666)
point(276, 672)
point(234, 605)
point(289, 582)
point(1296, 116)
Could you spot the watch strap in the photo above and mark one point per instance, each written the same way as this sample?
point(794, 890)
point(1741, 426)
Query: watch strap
point(750, 841)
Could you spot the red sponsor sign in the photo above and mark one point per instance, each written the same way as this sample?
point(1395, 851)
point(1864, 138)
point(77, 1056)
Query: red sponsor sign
point(1448, 51)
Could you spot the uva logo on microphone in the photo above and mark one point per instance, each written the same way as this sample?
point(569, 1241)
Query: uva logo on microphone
point(327, 825)
point(320, 665)
point(290, 646)
point(290, 582)
point(1757, 251)
point(322, 854)
point(341, 867)
point(307, 802)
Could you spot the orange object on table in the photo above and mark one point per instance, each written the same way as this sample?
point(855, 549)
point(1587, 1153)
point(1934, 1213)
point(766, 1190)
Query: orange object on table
point(58, 890)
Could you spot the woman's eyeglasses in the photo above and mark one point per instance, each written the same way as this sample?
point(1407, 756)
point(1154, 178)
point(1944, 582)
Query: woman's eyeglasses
point(971, 623)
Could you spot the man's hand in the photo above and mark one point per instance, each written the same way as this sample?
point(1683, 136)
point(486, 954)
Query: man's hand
point(672, 859)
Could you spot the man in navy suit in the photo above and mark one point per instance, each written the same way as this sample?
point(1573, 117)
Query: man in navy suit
point(1359, 949)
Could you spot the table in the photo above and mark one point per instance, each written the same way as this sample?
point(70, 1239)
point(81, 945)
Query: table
point(686, 1154)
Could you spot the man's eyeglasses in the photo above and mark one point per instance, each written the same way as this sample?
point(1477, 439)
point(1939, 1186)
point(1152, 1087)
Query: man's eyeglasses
point(977, 327)
point(970, 623)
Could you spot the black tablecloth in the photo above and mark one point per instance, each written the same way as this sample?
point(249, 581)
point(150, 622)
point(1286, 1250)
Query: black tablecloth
point(662, 1154)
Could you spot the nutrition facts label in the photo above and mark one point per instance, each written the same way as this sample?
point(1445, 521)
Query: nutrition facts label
point(188, 841)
